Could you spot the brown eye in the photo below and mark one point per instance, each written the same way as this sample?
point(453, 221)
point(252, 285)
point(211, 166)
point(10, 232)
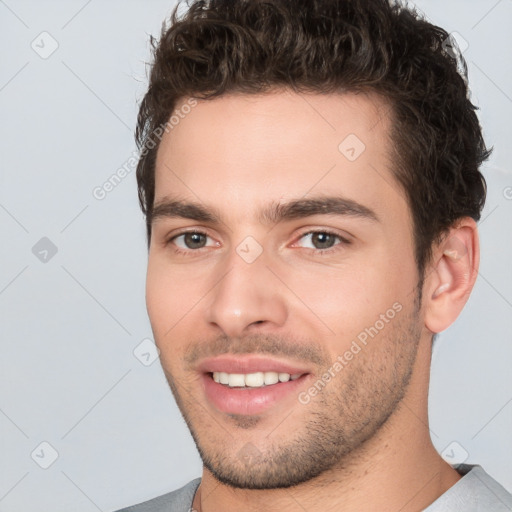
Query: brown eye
point(320, 240)
point(194, 240)
point(191, 240)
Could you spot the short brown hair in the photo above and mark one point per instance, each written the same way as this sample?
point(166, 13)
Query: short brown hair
point(325, 46)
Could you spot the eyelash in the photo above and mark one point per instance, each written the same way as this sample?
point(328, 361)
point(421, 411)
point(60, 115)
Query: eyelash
point(343, 241)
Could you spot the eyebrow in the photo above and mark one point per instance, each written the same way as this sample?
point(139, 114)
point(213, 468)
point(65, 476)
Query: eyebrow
point(271, 214)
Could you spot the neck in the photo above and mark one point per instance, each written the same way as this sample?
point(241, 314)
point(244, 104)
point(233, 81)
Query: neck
point(397, 469)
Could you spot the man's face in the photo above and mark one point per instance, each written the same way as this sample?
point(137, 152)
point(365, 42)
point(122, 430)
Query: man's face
point(257, 291)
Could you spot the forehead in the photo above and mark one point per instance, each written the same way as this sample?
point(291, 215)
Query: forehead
point(250, 148)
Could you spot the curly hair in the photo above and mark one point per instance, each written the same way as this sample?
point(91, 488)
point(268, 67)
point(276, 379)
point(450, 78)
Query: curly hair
point(327, 46)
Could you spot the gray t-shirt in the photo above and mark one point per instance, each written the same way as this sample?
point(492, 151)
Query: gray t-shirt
point(476, 491)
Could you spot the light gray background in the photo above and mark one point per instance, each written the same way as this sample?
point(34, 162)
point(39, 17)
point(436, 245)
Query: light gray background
point(69, 325)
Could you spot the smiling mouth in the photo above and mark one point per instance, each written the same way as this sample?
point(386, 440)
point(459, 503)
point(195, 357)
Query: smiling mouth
point(252, 380)
point(250, 387)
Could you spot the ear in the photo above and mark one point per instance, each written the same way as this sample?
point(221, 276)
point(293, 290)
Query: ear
point(451, 275)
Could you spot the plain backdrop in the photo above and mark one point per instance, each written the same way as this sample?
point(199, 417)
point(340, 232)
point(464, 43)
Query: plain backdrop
point(77, 394)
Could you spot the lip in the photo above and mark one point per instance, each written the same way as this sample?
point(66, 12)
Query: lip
point(249, 401)
point(248, 364)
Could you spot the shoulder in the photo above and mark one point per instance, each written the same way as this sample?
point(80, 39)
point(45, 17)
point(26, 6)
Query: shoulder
point(476, 491)
point(175, 501)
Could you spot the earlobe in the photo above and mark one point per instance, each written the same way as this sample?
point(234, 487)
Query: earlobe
point(452, 275)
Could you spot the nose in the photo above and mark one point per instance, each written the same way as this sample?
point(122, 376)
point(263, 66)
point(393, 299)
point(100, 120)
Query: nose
point(248, 296)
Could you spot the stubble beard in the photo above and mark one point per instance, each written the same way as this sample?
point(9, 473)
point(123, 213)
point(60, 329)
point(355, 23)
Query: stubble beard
point(326, 433)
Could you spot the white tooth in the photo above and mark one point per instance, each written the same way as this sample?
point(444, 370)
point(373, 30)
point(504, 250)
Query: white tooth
point(223, 377)
point(216, 376)
point(254, 380)
point(284, 377)
point(236, 380)
point(295, 376)
point(271, 378)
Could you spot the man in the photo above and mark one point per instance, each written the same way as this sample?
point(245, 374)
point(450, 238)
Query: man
point(310, 179)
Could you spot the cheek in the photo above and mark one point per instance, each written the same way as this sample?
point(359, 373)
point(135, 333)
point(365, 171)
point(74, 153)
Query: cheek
point(157, 298)
point(345, 300)
point(168, 298)
point(164, 311)
point(174, 306)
